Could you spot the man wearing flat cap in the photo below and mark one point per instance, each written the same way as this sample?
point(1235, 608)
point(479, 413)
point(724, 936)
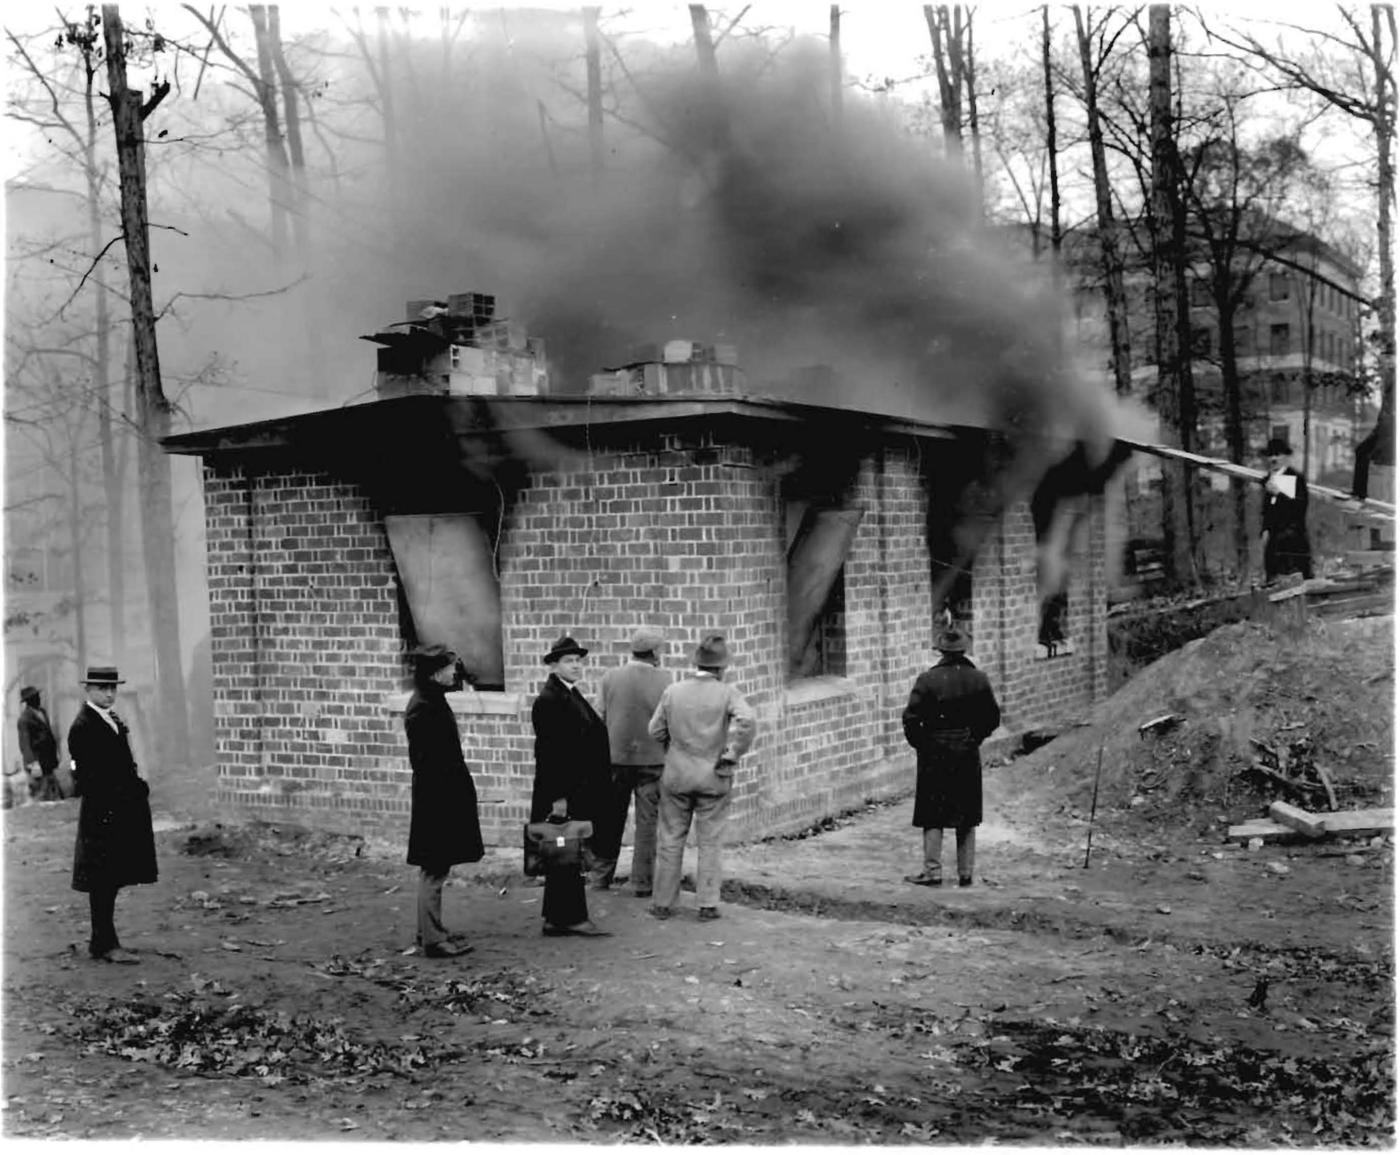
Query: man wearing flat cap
point(444, 825)
point(705, 727)
point(38, 748)
point(951, 712)
point(116, 841)
point(572, 768)
point(628, 698)
point(1285, 516)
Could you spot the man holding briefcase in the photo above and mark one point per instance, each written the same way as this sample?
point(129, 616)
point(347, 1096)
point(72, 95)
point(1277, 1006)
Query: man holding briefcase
point(572, 763)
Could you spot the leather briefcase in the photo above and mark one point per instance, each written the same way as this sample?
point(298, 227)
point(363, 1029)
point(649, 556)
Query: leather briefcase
point(551, 844)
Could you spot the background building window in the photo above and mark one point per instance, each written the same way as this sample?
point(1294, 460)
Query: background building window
point(1200, 294)
point(1278, 339)
point(1278, 286)
point(1054, 624)
point(1200, 342)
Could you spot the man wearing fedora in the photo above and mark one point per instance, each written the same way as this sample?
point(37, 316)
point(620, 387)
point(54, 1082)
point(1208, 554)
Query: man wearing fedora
point(1285, 517)
point(628, 698)
point(572, 768)
point(705, 727)
point(951, 712)
point(116, 843)
point(444, 825)
point(38, 748)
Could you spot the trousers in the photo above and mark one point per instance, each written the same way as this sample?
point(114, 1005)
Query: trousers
point(102, 906)
point(676, 812)
point(933, 850)
point(431, 930)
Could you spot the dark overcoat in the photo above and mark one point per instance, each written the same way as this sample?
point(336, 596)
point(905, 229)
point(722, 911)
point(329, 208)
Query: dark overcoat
point(1285, 520)
point(37, 742)
point(573, 758)
point(444, 825)
point(951, 712)
point(116, 844)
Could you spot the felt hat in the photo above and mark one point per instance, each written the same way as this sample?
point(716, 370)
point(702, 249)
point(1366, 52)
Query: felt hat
point(1278, 447)
point(562, 648)
point(712, 651)
point(952, 639)
point(647, 640)
point(29, 694)
point(103, 676)
point(432, 657)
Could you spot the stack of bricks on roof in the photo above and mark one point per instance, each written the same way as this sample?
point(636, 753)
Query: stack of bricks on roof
point(683, 523)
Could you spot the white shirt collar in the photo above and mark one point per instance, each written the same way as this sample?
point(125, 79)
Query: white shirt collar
point(106, 714)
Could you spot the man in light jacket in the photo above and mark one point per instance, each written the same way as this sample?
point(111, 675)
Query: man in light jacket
point(629, 697)
point(705, 727)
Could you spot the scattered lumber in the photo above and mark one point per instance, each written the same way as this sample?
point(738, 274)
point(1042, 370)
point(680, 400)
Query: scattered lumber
point(1343, 824)
point(1160, 725)
point(1294, 818)
point(1326, 778)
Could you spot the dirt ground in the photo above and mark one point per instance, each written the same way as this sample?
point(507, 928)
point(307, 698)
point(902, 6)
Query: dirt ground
point(1178, 990)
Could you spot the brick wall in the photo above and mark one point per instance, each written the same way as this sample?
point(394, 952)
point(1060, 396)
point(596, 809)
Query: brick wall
point(684, 534)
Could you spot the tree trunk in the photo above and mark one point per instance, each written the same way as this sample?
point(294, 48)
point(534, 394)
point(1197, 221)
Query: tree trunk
point(593, 60)
point(278, 177)
point(157, 520)
point(837, 69)
point(1110, 252)
point(112, 476)
point(1167, 254)
point(1051, 145)
point(291, 109)
point(704, 42)
point(1234, 413)
point(1385, 202)
point(945, 61)
point(75, 538)
point(973, 128)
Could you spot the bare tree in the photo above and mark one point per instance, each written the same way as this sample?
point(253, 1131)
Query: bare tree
point(593, 62)
point(1051, 138)
point(945, 32)
point(129, 114)
point(835, 64)
point(1362, 85)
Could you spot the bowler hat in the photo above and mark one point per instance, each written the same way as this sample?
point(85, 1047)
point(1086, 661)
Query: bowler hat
point(103, 676)
point(29, 694)
point(431, 657)
point(712, 651)
point(647, 640)
point(1277, 447)
point(952, 639)
point(562, 648)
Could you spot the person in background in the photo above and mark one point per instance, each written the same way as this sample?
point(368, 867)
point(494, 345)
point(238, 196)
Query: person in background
point(628, 698)
point(571, 767)
point(444, 824)
point(38, 748)
point(950, 713)
point(116, 841)
point(1285, 518)
point(705, 727)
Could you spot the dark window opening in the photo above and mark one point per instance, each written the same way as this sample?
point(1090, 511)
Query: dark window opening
point(1278, 339)
point(1278, 286)
point(1054, 623)
point(821, 525)
point(1200, 342)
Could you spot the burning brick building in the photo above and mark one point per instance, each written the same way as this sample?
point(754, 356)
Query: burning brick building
point(471, 505)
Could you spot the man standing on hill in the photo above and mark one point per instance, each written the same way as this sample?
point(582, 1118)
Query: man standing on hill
point(629, 697)
point(116, 841)
point(951, 712)
point(1285, 529)
point(38, 748)
point(705, 727)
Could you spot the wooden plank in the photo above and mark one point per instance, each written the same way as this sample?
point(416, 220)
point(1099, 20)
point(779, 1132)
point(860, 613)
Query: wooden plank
point(1326, 785)
point(1360, 823)
point(1265, 829)
point(1297, 819)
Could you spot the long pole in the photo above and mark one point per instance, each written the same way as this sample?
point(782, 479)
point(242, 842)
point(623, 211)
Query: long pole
point(1093, 809)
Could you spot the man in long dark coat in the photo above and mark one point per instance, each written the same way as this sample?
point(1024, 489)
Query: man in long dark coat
point(572, 769)
point(444, 825)
point(116, 842)
point(38, 748)
point(1285, 515)
point(951, 712)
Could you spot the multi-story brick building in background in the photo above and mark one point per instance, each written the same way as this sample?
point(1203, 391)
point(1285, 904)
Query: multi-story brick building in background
point(492, 516)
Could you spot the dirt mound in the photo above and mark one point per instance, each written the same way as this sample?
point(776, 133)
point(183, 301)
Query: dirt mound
point(1322, 696)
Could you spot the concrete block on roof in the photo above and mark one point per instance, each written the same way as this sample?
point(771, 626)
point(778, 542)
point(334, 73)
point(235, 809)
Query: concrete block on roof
point(678, 352)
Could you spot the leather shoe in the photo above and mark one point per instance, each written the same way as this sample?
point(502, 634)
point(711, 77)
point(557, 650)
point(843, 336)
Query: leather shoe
point(659, 911)
point(924, 878)
point(641, 894)
point(965, 880)
point(447, 949)
point(708, 913)
point(582, 930)
point(117, 955)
